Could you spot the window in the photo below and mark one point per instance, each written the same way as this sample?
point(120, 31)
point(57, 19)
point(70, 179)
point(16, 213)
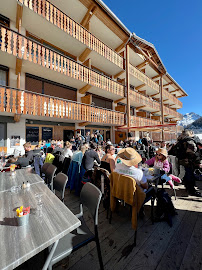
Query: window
point(3, 75)
point(4, 20)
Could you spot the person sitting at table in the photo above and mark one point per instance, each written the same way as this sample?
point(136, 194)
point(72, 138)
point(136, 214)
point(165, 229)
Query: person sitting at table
point(90, 156)
point(128, 166)
point(108, 160)
point(29, 154)
point(160, 161)
point(68, 150)
point(49, 157)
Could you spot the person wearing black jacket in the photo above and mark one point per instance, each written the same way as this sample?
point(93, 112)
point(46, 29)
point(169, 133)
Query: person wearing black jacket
point(90, 156)
point(188, 155)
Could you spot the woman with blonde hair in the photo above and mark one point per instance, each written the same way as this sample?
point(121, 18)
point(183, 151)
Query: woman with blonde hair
point(68, 150)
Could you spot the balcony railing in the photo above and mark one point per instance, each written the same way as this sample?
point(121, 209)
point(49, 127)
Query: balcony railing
point(52, 14)
point(25, 48)
point(172, 98)
point(29, 103)
point(143, 78)
point(168, 111)
point(137, 121)
point(141, 99)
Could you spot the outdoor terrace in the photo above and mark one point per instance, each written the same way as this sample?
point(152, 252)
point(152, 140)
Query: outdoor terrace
point(158, 247)
point(26, 103)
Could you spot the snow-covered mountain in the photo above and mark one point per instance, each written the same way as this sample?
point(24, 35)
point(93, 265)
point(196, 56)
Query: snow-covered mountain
point(188, 119)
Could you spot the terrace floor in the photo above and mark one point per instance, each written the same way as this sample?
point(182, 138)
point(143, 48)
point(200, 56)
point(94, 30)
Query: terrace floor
point(159, 246)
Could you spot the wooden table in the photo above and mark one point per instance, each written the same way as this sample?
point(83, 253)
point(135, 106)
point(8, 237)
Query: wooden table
point(23, 175)
point(19, 244)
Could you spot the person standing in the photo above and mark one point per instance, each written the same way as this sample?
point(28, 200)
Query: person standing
point(188, 156)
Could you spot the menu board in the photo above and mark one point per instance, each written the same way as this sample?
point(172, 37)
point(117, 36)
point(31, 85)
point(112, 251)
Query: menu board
point(47, 133)
point(32, 134)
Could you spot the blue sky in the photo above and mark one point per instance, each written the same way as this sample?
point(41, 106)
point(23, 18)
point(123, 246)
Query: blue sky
point(175, 28)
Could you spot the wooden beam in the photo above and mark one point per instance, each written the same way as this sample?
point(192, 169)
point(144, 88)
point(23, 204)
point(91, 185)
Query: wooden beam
point(154, 95)
point(165, 99)
point(174, 91)
point(140, 86)
point(151, 62)
point(141, 107)
point(19, 17)
point(86, 19)
point(157, 111)
point(118, 100)
point(119, 74)
point(155, 77)
point(167, 84)
point(84, 54)
point(144, 92)
point(17, 117)
point(87, 63)
point(84, 89)
point(122, 81)
point(142, 64)
point(86, 99)
point(83, 124)
point(120, 47)
point(18, 66)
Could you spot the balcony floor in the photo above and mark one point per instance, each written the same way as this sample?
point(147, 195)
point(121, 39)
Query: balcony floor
point(158, 246)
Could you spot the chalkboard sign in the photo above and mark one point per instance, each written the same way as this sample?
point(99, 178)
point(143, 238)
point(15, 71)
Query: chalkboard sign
point(32, 135)
point(47, 133)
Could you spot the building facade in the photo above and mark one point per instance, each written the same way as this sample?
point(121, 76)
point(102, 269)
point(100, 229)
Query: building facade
point(70, 66)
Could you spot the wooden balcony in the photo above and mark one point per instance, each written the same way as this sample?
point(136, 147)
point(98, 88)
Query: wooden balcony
point(55, 16)
point(171, 100)
point(140, 121)
point(24, 48)
point(148, 84)
point(13, 101)
point(138, 100)
point(172, 113)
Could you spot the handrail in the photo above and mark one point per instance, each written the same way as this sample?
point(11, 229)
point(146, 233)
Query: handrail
point(141, 121)
point(143, 78)
point(174, 99)
point(49, 96)
point(18, 101)
point(25, 48)
point(141, 99)
point(172, 112)
point(57, 17)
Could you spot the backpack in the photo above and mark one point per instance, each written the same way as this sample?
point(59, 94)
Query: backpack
point(165, 209)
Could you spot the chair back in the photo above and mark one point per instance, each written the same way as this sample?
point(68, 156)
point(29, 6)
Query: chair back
point(50, 173)
point(90, 197)
point(59, 183)
point(66, 165)
point(45, 167)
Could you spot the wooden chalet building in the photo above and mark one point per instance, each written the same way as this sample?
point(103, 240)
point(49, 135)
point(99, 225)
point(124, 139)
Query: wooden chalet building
point(70, 66)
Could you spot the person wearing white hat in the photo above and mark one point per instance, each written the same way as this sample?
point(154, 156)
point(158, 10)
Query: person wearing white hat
point(128, 166)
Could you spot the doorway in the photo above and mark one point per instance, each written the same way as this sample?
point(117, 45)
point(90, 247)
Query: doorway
point(67, 135)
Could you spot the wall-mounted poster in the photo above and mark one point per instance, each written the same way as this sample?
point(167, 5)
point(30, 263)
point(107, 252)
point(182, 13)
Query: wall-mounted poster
point(32, 134)
point(47, 133)
point(15, 141)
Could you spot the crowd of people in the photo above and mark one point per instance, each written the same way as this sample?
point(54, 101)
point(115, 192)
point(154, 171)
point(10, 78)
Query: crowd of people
point(91, 150)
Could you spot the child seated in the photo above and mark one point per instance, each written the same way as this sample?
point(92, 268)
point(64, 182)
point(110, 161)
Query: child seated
point(160, 161)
